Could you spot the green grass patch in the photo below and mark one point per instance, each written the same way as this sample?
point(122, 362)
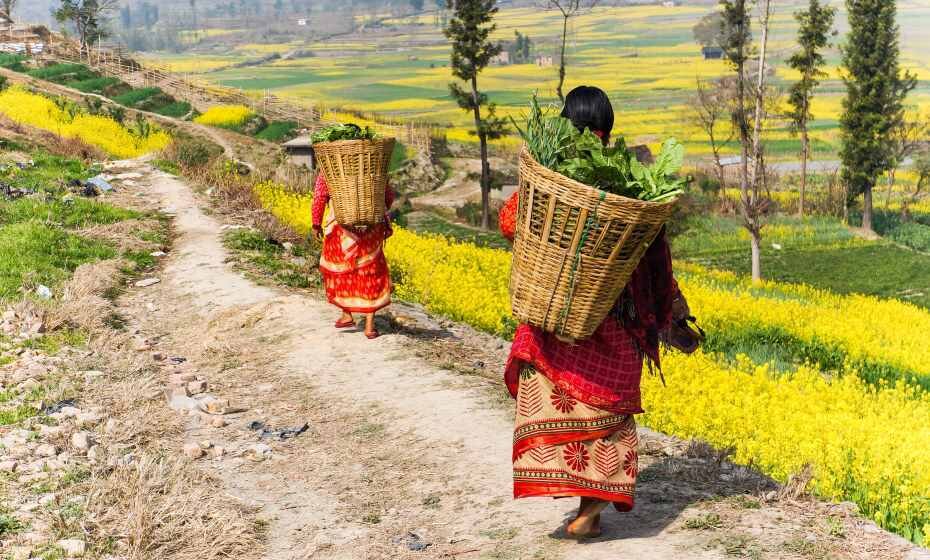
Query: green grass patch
point(52, 343)
point(69, 213)
point(35, 252)
point(14, 416)
point(12, 62)
point(50, 173)
point(167, 166)
point(94, 85)
point(61, 73)
point(130, 98)
point(176, 110)
point(277, 131)
point(256, 253)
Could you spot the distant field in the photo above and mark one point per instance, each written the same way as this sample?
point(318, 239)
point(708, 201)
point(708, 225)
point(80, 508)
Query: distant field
point(645, 57)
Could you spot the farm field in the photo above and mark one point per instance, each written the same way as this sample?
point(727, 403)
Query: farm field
point(785, 360)
point(645, 57)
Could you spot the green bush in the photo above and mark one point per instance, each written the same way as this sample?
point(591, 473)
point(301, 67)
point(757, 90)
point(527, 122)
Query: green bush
point(911, 234)
point(12, 62)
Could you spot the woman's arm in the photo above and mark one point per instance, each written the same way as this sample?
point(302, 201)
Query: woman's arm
point(508, 216)
point(320, 200)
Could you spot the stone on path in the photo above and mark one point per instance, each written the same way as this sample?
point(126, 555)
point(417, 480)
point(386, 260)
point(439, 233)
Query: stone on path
point(193, 450)
point(146, 282)
point(73, 547)
point(82, 441)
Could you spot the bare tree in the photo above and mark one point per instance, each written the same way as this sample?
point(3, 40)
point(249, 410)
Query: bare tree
point(712, 116)
point(752, 204)
point(907, 137)
point(568, 9)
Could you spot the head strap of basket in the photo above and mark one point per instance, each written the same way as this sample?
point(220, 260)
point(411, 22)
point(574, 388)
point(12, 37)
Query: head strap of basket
point(356, 172)
point(575, 249)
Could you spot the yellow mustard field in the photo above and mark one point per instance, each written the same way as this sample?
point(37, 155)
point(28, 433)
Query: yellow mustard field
point(226, 116)
point(866, 438)
point(103, 132)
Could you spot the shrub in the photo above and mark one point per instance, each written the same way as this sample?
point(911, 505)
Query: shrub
point(94, 85)
point(277, 131)
point(190, 152)
point(130, 98)
point(178, 109)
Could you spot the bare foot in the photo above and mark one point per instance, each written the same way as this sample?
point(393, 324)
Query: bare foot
point(588, 523)
point(370, 330)
point(346, 320)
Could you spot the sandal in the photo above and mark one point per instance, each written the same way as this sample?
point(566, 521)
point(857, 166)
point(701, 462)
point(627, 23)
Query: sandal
point(373, 334)
point(345, 324)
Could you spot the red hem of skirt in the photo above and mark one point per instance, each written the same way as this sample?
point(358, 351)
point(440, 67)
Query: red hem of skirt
point(533, 490)
point(522, 446)
point(360, 309)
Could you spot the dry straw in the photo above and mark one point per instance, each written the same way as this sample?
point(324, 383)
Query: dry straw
point(356, 172)
point(575, 249)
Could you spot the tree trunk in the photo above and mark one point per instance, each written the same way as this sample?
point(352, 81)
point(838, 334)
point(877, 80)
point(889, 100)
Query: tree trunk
point(891, 174)
point(867, 210)
point(485, 166)
point(755, 241)
point(558, 89)
point(805, 151)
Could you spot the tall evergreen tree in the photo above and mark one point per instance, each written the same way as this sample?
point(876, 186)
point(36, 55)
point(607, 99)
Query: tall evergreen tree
point(875, 93)
point(814, 28)
point(469, 29)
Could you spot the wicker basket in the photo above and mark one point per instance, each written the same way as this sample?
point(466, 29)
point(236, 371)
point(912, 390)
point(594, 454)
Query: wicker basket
point(575, 249)
point(356, 172)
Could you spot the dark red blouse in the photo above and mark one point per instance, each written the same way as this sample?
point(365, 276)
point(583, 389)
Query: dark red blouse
point(603, 371)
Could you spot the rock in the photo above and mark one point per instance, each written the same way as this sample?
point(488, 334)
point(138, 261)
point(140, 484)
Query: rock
point(196, 387)
point(180, 402)
point(94, 453)
point(111, 426)
point(46, 499)
point(70, 411)
point(218, 422)
point(217, 451)
point(28, 385)
point(46, 450)
point(82, 441)
point(8, 466)
point(181, 378)
point(44, 292)
point(92, 375)
point(193, 450)
point(49, 431)
point(146, 282)
point(158, 357)
point(88, 419)
point(72, 547)
point(158, 254)
point(214, 405)
point(260, 452)
point(265, 388)
point(205, 444)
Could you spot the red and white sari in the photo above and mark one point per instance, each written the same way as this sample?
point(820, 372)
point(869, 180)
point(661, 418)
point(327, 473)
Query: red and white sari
point(354, 269)
point(575, 434)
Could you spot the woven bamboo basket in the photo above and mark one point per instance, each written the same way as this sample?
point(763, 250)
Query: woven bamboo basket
point(356, 172)
point(575, 249)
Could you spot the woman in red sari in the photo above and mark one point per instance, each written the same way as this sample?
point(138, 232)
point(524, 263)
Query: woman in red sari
point(355, 272)
point(575, 434)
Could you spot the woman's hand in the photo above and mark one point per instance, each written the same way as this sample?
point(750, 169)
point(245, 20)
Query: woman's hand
point(317, 232)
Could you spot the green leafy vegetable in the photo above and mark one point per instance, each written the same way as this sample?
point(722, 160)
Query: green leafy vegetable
point(556, 144)
point(346, 131)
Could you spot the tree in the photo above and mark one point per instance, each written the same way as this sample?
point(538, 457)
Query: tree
point(875, 93)
point(711, 113)
point(8, 7)
point(814, 28)
point(417, 5)
point(922, 170)
point(708, 32)
point(735, 41)
point(568, 9)
point(907, 137)
point(279, 8)
point(469, 30)
point(87, 17)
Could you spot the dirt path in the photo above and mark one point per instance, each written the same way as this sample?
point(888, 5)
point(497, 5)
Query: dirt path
point(404, 459)
point(458, 189)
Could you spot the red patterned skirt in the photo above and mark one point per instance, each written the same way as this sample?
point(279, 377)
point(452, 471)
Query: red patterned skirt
point(355, 272)
point(563, 447)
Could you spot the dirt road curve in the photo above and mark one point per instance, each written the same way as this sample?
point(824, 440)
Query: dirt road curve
point(404, 459)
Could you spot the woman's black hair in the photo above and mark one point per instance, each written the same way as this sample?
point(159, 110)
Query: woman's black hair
point(589, 107)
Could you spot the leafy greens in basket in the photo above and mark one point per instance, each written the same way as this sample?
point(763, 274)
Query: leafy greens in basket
point(556, 144)
point(339, 132)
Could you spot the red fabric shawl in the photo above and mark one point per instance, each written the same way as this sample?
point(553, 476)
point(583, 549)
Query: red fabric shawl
point(603, 371)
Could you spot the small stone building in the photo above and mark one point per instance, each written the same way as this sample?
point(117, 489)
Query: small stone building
point(300, 152)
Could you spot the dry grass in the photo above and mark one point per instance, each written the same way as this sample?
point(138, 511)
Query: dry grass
point(164, 508)
point(122, 235)
point(83, 304)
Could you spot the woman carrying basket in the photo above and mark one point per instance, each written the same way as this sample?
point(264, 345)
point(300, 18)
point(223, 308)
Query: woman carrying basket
point(575, 434)
point(355, 272)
